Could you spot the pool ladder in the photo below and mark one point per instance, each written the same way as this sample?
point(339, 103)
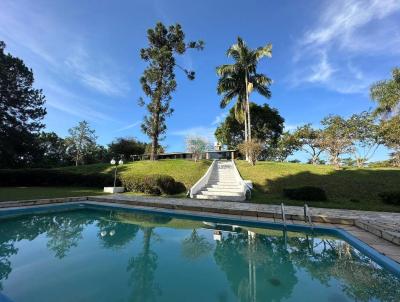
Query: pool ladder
point(307, 215)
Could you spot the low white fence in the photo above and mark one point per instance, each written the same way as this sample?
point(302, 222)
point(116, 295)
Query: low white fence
point(246, 185)
point(202, 182)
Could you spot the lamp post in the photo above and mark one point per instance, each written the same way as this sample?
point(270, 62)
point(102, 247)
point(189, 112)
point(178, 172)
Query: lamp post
point(115, 163)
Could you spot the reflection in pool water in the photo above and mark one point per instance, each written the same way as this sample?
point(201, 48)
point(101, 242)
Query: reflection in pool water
point(89, 255)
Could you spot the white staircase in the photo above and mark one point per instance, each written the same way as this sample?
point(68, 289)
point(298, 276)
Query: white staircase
point(222, 182)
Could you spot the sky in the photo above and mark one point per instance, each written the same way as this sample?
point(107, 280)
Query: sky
point(85, 57)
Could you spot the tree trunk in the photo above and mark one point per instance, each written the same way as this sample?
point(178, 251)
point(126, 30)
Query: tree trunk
point(154, 147)
point(154, 142)
point(248, 115)
point(246, 132)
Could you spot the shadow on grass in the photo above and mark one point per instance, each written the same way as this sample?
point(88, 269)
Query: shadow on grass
point(351, 188)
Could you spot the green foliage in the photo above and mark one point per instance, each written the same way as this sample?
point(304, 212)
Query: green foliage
point(125, 147)
point(21, 112)
point(267, 126)
point(390, 131)
point(52, 177)
point(307, 193)
point(287, 144)
point(387, 94)
point(81, 142)
point(336, 138)
point(365, 135)
point(239, 79)
point(53, 151)
point(158, 80)
point(310, 141)
point(392, 197)
point(155, 184)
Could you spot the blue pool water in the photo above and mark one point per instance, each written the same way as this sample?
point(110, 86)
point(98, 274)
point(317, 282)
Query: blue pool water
point(93, 255)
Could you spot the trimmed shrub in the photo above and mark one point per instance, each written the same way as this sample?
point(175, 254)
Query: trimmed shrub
point(52, 177)
point(155, 184)
point(306, 193)
point(392, 197)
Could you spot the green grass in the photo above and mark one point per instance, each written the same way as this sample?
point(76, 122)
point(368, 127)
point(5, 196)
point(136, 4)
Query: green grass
point(350, 188)
point(24, 193)
point(185, 171)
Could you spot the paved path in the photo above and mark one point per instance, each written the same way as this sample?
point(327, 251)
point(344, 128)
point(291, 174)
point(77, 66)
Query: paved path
point(222, 184)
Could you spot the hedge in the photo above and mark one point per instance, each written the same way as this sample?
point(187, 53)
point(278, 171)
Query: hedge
point(392, 197)
point(52, 177)
point(306, 193)
point(155, 184)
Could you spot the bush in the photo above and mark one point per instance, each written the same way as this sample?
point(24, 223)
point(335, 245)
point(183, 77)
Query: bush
point(52, 177)
point(155, 184)
point(392, 197)
point(307, 193)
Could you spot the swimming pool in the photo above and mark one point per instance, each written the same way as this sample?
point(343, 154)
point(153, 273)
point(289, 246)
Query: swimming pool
point(97, 253)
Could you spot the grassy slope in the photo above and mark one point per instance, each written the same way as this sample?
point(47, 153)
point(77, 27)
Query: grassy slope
point(23, 193)
point(349, 188)
point(185, 171)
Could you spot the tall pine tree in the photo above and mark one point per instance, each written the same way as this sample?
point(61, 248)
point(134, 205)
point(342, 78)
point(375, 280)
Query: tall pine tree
point(158, 79)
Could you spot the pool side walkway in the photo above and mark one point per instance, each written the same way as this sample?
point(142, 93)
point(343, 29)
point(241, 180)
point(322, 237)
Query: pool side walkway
point(380, 230)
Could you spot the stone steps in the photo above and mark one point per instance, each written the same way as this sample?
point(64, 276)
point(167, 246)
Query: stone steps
point(222, 184)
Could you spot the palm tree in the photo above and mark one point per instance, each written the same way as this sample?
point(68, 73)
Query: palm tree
point(238, 80)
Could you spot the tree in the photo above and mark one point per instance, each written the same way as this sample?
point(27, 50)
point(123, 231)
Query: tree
point(336, 138)
point(390, 131)
point(310, 141)
point(125, 147)
point(81, 142)
point(286, 146)
point(195, 246)
point(387, 94)
point(238, 80)
point(253, 148)
point(53, 150)
point(158, 80)
point(365, 134)
point(196, 145)
point(21, 112)
point(266, 122)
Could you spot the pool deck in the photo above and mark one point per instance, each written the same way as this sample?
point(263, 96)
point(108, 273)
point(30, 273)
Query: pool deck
point(379, 230)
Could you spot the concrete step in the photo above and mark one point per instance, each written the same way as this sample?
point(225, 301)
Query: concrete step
point(223, 198)
point(223, 186)
point(219, 189)
point(220, 193)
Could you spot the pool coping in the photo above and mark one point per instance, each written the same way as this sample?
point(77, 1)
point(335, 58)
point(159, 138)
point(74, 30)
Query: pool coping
point(40, 206)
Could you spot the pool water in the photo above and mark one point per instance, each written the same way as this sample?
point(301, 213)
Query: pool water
point(92, 255)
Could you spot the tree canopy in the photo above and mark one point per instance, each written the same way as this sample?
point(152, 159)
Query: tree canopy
point(21, 111)
point(267, 126)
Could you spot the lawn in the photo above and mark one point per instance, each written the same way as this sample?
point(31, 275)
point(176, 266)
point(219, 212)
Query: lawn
point(23, 193)
point(186, 171)
point(350, 188)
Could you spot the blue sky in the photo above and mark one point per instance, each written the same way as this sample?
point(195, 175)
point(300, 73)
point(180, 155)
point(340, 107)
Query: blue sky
point(85, 57)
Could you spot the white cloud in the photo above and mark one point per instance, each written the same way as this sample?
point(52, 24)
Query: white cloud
point(130, 126)
point(219, 118)
point(345, 31)
point(321, 71)
point(92, 75)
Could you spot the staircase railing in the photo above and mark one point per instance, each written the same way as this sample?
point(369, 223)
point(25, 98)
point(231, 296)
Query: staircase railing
point(202, 182)
point(246, 185)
